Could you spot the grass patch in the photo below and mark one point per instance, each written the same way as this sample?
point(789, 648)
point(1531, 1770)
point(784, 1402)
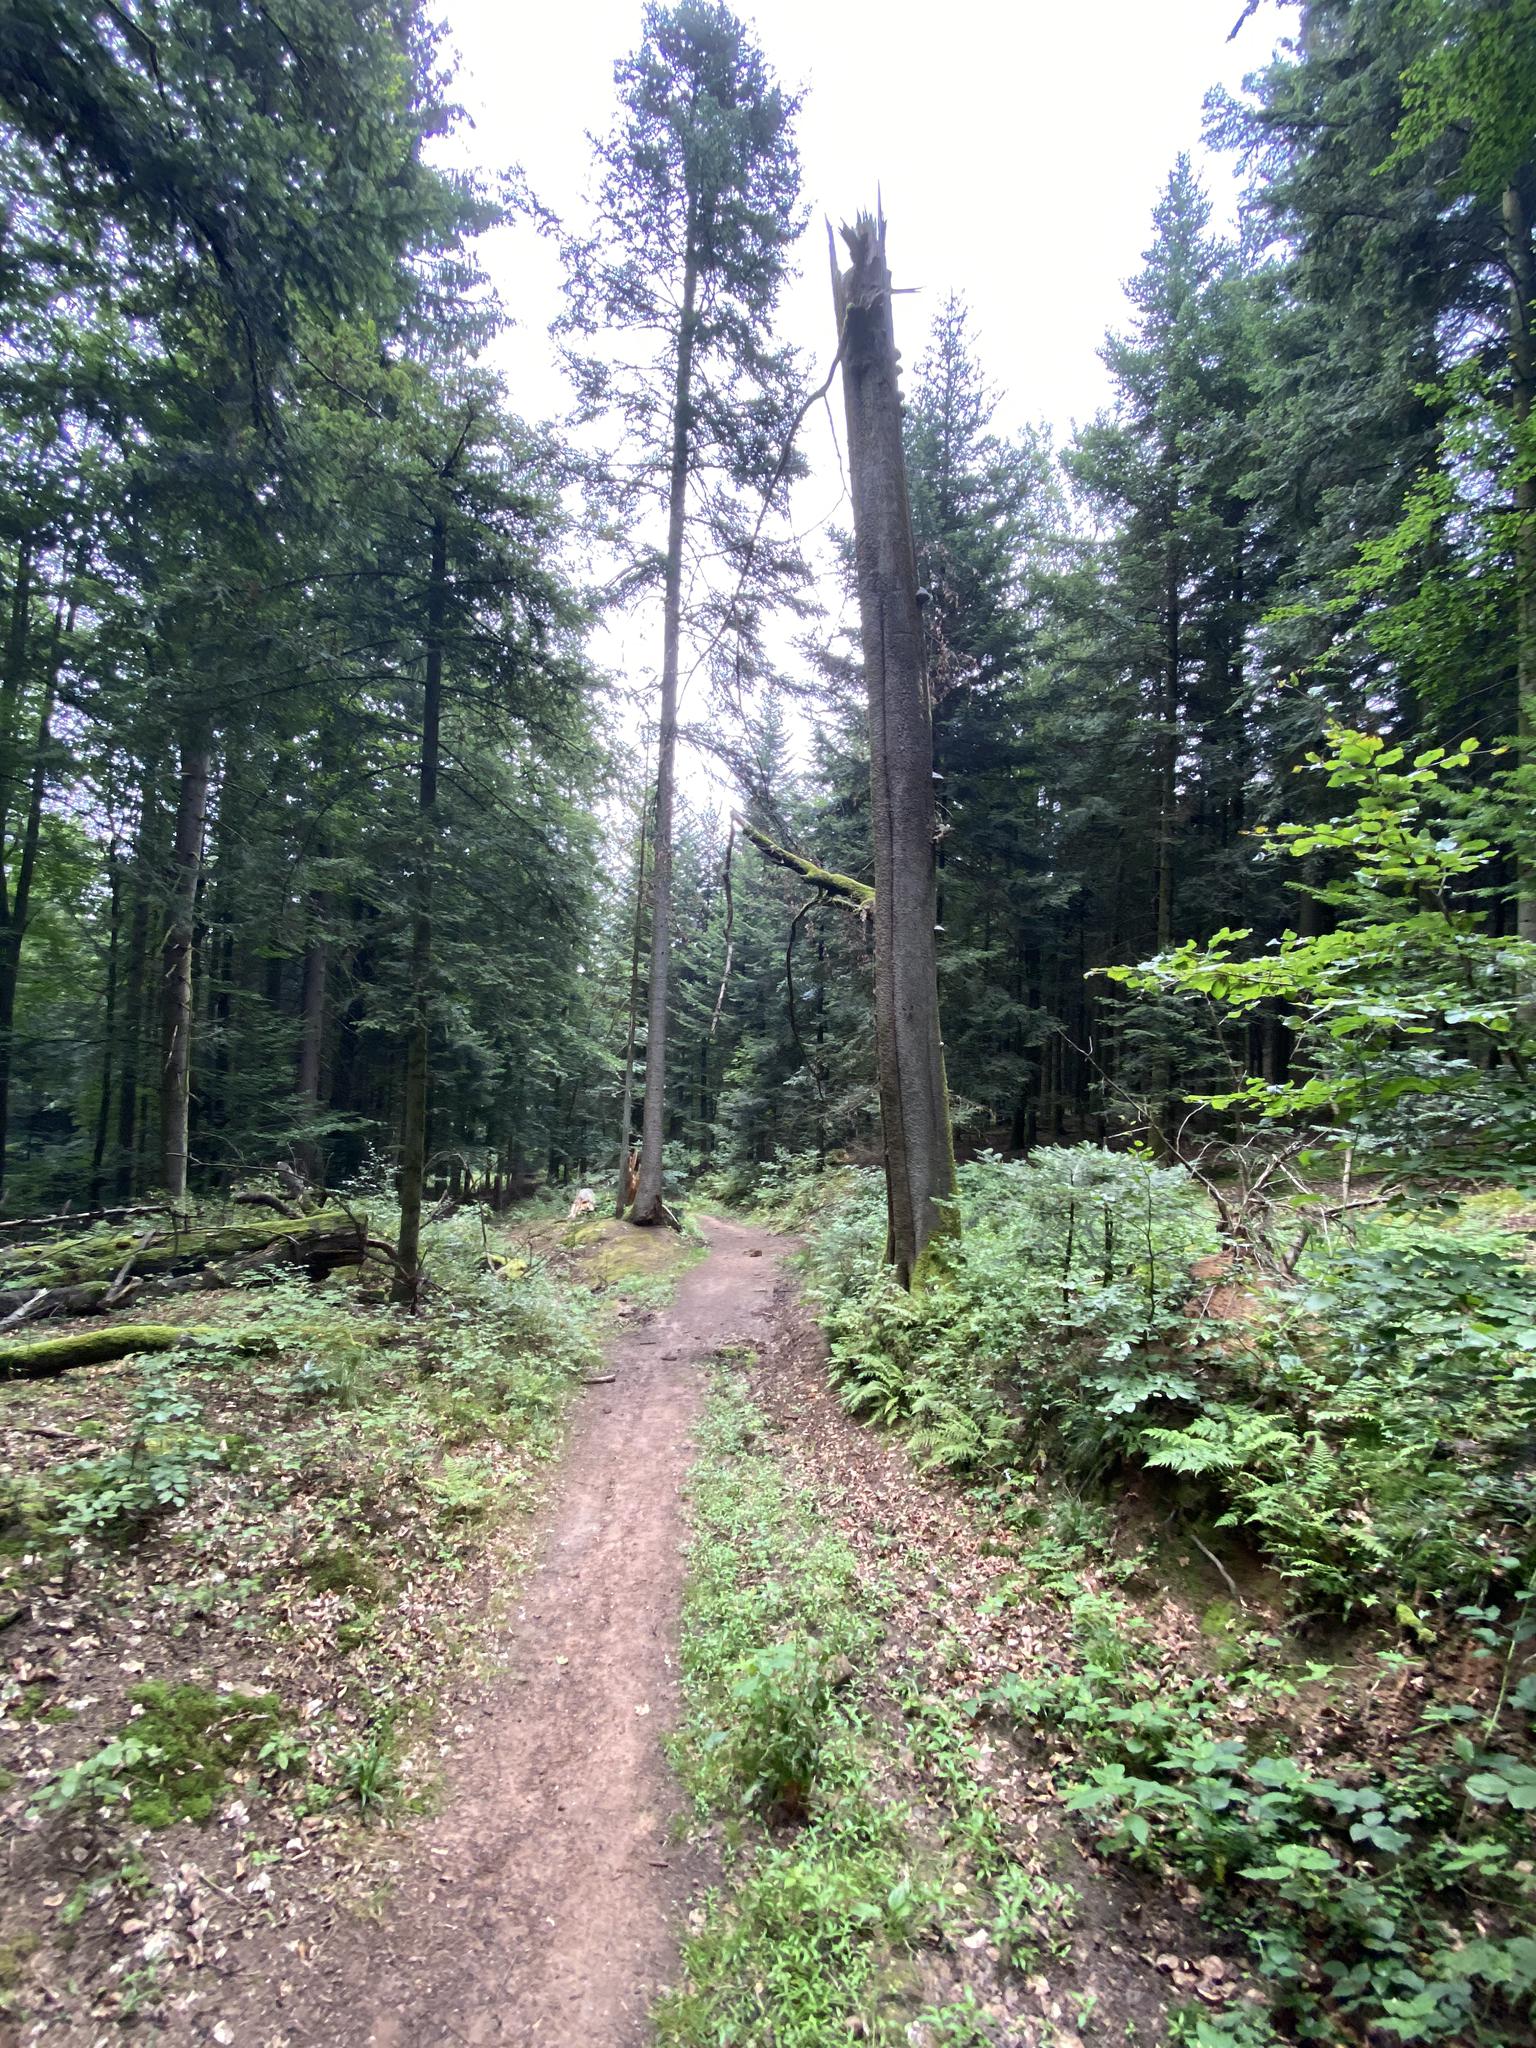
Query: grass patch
point(856, 1832)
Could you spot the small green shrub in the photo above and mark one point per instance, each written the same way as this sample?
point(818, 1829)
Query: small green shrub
point(370, 1771)
point(780, 1704)
point(156, 1471)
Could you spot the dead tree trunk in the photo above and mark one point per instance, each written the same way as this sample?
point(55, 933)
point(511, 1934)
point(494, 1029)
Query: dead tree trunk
point(177, 957)
point(914, 1103)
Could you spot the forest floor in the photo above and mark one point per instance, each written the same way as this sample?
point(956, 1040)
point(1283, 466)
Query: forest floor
point(559, 1883)
point(539, 1904)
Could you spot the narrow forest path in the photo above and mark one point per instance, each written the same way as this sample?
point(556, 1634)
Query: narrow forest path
point(539, 1904)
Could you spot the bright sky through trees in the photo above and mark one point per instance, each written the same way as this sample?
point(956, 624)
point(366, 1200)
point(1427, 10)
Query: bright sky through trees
point(1019, 151)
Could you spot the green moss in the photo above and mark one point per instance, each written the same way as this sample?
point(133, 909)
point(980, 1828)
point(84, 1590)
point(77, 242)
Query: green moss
point(340, 1570)
point(15, 1949)
point(640, 1263)
point(32, 1704)
point(1219, 1621)
point(192, 1739)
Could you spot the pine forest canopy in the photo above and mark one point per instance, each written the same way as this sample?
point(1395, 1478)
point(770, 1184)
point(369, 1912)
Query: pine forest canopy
point(328, 848)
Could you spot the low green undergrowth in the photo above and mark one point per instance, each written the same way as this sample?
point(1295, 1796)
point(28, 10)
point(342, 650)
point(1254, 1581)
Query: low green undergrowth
point(855, 1829)
point(788, 1193)
point(1366, 1428)
point(309, 1484)
point(775, 1624)
point(1384, 1885)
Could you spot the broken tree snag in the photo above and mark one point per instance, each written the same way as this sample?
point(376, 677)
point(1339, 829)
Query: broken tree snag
point(44, 1358)
point(914, 1104)
point(843, 889)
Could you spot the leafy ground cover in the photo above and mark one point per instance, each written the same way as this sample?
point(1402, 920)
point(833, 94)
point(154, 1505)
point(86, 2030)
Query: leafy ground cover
point(235, 1577)
point(890, 1870)
point(1281, 1555)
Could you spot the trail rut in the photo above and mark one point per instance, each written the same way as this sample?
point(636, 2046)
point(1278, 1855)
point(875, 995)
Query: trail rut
point(539, 1906)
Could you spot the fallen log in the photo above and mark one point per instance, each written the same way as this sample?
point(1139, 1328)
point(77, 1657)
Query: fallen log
point(201, 1259)
point(332, 1236)
point(260, 1198)
point(40, 1303)
point(44, 1358)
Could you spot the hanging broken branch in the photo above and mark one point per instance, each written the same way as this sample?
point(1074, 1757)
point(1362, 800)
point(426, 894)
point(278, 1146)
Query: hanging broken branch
point(844, 889)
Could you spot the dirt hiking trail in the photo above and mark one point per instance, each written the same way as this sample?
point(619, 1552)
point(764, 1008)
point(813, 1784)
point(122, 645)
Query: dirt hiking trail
point(539, 1905)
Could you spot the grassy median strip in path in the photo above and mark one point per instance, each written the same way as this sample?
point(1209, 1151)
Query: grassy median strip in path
point(867, 1889)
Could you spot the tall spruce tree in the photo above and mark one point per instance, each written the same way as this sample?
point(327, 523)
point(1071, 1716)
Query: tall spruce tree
point(697, 207)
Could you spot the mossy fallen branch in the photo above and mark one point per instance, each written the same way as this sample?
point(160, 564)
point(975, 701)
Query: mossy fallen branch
point(844, 889)
point(44, 1358)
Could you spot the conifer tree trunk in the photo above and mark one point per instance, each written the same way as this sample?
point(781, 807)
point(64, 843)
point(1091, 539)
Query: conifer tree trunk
point(914, 1104)
point(413, 1119)
point(108, 1026)
point(135, 975)
point(16, 901)
point(1522, 351)
point(648, 1200)
point(626, 1119)
point(176, 959)
point(312, 1030)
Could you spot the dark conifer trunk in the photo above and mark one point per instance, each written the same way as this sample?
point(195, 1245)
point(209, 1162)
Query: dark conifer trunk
point(648, 1196)
point(312, 1033)
point(134, 1004)
point(108, 1027)
point(627, 1115)
point(413, 1122)
point(177, 958)
point(1521, 267)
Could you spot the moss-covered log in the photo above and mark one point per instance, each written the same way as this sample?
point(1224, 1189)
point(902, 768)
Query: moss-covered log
point(84, 1300)
point(98, 1256)
point(44, 1358)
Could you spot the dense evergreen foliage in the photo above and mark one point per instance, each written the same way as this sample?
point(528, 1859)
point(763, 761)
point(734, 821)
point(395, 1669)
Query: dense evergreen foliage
point(259, 493)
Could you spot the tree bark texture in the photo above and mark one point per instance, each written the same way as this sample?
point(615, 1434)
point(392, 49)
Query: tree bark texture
point(413, 1120)
point(1522, 352)
point(627, 1115)
point(648, 1206)
point(914, 1104)
point(312, 1032)
point(176, 960)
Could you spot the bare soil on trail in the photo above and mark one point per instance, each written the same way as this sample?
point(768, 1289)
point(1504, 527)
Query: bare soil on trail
point(539, 1904)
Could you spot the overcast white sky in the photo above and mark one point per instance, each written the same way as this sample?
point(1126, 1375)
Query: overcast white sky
point(1019, 149)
